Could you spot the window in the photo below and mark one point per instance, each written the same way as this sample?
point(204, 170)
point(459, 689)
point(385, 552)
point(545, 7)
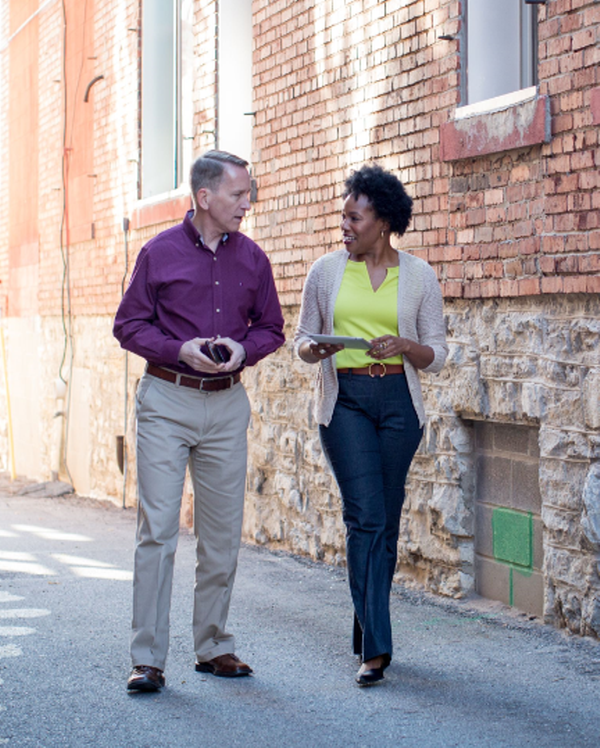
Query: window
point(167, 105)
point(235, 118)
point(501, 48)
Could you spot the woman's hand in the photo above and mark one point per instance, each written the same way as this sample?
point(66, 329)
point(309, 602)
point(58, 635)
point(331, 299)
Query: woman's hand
point(312, 353)
point(387, 346)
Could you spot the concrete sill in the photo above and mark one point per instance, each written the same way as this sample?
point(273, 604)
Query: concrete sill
point(474, 133)
point(171, 207)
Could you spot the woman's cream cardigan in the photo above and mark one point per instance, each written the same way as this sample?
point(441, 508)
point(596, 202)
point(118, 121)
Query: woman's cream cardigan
point(420, 318)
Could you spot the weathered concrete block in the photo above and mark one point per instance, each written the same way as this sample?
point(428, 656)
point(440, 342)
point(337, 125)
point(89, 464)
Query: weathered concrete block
point(525, 494)
point(484, 537)
point(563, 528)
point(528, 591)
point(591, 399)
point(590, 614)
point(561, 483)
point(566, 444)
point(448, 501)
point(492, 579)
point(564, 407)
point(534, 401)
point(566, 567)
point(564, 607)
point(466, 395)
point(590, 519)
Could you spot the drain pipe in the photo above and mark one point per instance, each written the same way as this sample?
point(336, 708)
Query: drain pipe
point(58, 430)
point(122, 440)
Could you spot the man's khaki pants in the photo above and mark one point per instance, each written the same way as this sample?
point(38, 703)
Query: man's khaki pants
point(178, 426)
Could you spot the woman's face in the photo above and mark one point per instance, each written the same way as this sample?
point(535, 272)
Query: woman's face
point(361, 227)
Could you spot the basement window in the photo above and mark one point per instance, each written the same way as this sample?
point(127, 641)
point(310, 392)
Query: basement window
point(509, 546)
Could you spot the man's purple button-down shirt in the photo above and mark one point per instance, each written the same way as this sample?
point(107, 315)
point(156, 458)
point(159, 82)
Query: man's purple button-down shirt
point(181, 290)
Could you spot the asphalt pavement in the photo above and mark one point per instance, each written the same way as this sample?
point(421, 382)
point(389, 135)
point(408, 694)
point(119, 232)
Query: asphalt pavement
point(465, 673)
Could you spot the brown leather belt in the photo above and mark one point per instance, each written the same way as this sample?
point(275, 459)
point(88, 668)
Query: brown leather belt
point(204, 384)
point(375, 370)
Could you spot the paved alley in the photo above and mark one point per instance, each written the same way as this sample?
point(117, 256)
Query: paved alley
point(465, 673)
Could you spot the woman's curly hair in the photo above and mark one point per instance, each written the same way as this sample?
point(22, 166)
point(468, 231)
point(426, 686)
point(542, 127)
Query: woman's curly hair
point(386, 194)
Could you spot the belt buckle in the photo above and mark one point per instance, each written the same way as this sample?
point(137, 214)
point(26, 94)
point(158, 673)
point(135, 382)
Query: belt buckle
point(216, 379)
point(378, 376)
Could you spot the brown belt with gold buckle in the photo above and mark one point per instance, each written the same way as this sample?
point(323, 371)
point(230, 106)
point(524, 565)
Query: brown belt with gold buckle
point(375, 370)
point(204, 384)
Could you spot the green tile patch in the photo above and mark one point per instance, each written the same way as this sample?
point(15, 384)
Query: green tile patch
point(512, 534)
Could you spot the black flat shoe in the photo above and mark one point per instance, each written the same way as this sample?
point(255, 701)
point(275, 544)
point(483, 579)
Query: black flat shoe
point(370, 676)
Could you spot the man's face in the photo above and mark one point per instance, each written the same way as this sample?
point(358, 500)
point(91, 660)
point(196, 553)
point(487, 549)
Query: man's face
point(227, 205)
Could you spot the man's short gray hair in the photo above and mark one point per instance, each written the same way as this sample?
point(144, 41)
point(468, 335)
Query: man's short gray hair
point(207, 170)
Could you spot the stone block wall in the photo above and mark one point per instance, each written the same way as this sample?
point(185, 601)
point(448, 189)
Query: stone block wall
point(516, 366)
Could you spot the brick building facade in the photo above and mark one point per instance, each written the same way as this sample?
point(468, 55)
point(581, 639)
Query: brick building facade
point(504, 494)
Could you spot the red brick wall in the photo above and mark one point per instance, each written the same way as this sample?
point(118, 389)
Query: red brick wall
point(23, 233)
point(102, 137)
point(338, 84)
point(569, 63)
point(79, 136)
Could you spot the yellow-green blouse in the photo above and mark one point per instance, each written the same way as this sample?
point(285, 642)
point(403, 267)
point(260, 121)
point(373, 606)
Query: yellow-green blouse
point(363, 313)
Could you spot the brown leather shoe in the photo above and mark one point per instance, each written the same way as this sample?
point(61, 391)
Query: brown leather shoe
point(145, 678)
point(225, 666)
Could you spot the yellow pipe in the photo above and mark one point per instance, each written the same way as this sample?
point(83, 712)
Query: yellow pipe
point(11, 442)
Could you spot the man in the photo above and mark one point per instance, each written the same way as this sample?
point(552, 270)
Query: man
point(195, 285)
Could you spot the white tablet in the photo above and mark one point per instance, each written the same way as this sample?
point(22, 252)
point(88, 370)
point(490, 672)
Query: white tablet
point(345, 340)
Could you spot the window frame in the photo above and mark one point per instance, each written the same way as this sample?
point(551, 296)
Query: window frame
point(172, 145)
point(527, 38)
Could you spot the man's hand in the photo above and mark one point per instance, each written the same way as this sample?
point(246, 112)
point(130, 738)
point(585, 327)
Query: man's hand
point(191, 355)
point(238, 354)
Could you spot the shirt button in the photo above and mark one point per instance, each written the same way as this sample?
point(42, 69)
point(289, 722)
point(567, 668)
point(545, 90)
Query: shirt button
point(216, 283)
point(215, 259)
point(218, 310)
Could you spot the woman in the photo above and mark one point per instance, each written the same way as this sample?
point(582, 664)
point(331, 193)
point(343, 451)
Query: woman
point(368, 402)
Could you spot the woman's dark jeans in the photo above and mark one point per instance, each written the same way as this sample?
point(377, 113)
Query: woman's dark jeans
point(370, 444)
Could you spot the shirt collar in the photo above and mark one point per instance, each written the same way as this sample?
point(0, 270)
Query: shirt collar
point(193, 232)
